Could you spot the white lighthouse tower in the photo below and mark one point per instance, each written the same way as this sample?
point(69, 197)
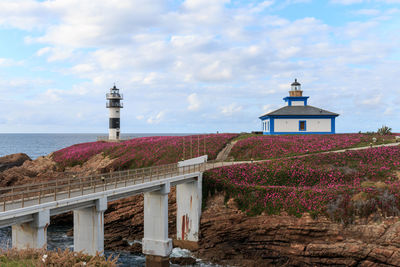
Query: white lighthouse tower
point(114, 104)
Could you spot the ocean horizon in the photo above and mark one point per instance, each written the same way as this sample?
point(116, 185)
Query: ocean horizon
point(42, 144)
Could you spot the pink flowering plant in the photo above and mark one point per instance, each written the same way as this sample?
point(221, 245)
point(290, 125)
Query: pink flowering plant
point(266, 146)
point(145, 151)
point(339, 185)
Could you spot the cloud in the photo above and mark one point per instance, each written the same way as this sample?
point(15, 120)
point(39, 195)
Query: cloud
point(194, 102)
point(350, 2)
point(232, 52)
point(7, 62)
point(231, 109)
point(156, 119)
point(368, 12)
point(347, 2)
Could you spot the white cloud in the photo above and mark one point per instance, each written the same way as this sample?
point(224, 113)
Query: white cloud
point(372, 101)
point(231, 52)
point(350, 2)
point(194, 102)
point(347, 2)
point(262, 6)
point(215, 71)
point(7, 62)
point(231, 109)
point(156, 119)
point(368, 12)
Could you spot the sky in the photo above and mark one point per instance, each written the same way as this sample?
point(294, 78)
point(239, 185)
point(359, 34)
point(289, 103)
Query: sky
point(195, 66)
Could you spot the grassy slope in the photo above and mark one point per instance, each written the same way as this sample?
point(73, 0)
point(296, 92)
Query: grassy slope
point(341, 185)
point(258, 147)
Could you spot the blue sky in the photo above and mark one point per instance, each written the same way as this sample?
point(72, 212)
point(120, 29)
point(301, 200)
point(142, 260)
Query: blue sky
point(195, 65)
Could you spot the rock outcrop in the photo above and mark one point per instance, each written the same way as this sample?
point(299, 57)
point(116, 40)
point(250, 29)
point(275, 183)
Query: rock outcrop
point(13, 160)
point(229, 236)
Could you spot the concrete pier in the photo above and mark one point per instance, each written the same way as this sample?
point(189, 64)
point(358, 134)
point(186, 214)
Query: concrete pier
point(32, 234)
point(156, 241)
point(188, 202)
point(89, 228)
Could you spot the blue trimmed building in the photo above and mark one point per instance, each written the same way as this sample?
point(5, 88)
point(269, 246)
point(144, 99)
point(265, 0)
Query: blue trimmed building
point(298, 117)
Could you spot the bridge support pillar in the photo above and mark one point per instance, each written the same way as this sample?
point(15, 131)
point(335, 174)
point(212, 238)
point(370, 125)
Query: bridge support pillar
point(156, 244)
point(89, 228)
point(32, 234)
point(188, 204)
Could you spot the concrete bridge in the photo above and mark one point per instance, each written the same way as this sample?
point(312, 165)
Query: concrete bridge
point(27, 208)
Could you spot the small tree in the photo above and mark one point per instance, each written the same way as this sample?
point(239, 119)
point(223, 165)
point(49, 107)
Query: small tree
point(384, 130)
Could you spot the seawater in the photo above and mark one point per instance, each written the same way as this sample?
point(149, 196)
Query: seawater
point(57, 238)
point(36, 145)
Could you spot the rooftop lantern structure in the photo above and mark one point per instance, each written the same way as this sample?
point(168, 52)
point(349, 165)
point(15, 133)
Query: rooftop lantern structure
point(296, 89)
point(114, 104)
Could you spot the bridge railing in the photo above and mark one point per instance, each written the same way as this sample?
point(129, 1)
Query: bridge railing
point(37, 193)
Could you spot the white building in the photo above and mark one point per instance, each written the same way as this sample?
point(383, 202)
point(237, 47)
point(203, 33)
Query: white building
point(298, 117)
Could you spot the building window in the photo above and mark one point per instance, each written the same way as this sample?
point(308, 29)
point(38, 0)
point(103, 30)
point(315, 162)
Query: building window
point(267, 125)
point(302, 126)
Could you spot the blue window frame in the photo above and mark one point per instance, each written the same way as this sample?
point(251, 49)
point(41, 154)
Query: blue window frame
point(302, 125)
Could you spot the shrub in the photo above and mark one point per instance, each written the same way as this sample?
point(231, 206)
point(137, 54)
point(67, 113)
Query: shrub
point(384, 130)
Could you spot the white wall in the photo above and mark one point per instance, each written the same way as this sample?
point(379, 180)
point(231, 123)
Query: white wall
point(297, 103)
point(312, 125)
point(114, 112)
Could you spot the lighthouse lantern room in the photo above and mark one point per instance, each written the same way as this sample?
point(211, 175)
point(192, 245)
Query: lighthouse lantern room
point(114, 104)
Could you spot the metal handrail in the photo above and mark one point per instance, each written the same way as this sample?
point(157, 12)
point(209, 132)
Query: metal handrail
point(92, 183)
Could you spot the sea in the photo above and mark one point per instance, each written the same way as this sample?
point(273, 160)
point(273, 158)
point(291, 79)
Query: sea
point(42, 144)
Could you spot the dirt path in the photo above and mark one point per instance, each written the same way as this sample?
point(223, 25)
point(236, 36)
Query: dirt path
point(223, 155)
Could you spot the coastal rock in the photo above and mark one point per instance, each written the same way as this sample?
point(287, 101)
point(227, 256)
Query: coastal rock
point(96, 164)
point(13, 160)
point(182, 260)
point(31, 171)
point(228, 236)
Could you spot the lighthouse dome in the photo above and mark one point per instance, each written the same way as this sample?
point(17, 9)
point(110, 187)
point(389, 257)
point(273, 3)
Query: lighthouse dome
point(296, 86)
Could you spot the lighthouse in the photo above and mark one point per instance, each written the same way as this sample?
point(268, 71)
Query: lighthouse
point(298, 117)
point(114, 104)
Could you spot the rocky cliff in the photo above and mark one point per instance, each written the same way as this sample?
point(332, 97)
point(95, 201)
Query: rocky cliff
point(228, 236)
point(13, 160)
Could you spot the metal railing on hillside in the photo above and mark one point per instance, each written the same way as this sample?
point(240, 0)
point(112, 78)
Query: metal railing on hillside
point(37, 193)
point(121, 138)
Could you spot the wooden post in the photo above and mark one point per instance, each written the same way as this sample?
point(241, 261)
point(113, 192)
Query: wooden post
point(204, 144)
point(183, 144)
point(191, 149)
point(40, 193)
point(69, 187)
point(55, 190)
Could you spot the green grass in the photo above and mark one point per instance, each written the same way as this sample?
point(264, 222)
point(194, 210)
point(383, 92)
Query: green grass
point(4, 261)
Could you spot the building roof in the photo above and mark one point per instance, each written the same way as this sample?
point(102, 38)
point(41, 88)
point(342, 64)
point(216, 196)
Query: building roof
point(300, 111)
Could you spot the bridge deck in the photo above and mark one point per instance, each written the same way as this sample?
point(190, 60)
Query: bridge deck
point(18, 203)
